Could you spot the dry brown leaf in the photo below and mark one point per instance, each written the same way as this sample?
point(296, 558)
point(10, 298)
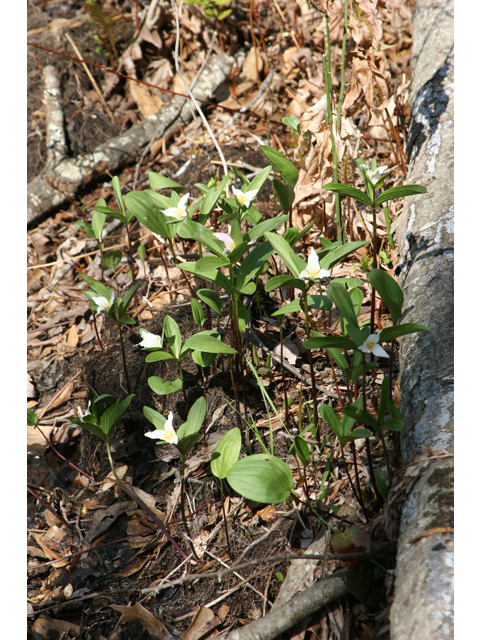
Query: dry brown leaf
point(203, 622)
point(253, 65)
point(369, 8)
point(52, 629)
point(223, 612)
point(110, 481)
point(137, 613)
point(72, 336)
point(133, 567)
point(103, 520)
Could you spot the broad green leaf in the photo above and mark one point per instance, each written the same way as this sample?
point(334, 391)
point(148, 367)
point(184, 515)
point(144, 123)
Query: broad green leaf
point(287, 254)
point(400, 192)
point(253, 215)
point(382, 482)
point(389, 291)
point(155, 418)
point(32, 419)
point(112, 415)
point(313, 302)
point(282, 281)
point(159, 356)
point(202, 341)
point(261, 477)
point(157, 181)
point(341, 298)
point(242, 316)
point(195, 418)
point(357, 433)
point(210, 200)
point(252, 263)
point(212, 299)
point(226, 453)
point(97, 286)
point(172, 335)
point(197, 312)
point(203, 359)
point(247, 289)
point(293, 123)
point(285, 194)
point(356, 295)
point(110, 259)
point(333, 420)
point(361, 416)
point(139, 204)
point(329, 341)
point(212, 262)
point(337, 254)
point(164, 387)
point(125, 301)
point(292, 235)
point(259, 180)
point(158, 200)
point(191, 230)
point(302, 450)
point(350, 192)
point(262, 227)
point(390, 333)
point(282, 164)
point(211, 276)
point(98, 220)
point(187, 441)
point(118, 194)
point(93, 428)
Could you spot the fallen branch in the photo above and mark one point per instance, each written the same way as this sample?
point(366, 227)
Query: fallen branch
point(78, 173)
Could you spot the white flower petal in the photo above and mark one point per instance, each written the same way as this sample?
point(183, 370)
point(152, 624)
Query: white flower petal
point(150, 340)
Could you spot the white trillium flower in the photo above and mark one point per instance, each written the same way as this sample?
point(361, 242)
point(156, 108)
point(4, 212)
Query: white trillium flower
point(371, 346)
point(313, 270)
point(103, 304)
point(82, 415)
point(167, 433)
point(180, 211)
point(227, 240)
point(376, 176)
point(150, 340)
point(244, 198)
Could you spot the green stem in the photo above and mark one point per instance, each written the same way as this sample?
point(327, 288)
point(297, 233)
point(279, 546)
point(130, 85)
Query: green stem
point(342, 67)
point(310, 361)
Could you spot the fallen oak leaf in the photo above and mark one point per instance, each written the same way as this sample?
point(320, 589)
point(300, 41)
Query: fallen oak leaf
point(137, 613)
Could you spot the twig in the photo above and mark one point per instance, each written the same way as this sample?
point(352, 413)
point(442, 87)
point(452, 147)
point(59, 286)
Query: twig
point(192, 97)
point(90, 77)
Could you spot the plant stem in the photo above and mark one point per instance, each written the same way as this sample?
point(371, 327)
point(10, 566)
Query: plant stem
point(124, 358)
point(225, 520)
point(310, 361)
point(367, 441)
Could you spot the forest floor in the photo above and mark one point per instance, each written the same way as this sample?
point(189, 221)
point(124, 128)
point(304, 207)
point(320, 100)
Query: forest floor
point(93, 555)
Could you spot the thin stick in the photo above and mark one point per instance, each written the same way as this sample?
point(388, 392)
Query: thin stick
point(192, 97)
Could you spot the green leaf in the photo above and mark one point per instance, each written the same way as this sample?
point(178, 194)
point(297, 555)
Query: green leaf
point(226, 453)
point(164, 387)
point(389, 291)
point(400, 192)
point(262, 227)
point(333, 420)
point(203, 359)
point(337, 254)
point(295, 263)
point(282, 164)
point(112, 415)
point(191, 230)
point(197, 312)
point(292, 235)
point(212, 262)
point(282, 281)
point(187, 441)
point(390, 333)
point(350, 192)
point(259, 180)
point(211, 299)
point(195, 418)
point(155, 418)
point(322, 342)
point(202, 341)
point(139, 204)
point(157, 181)
point(127, 298)
point(293, 123)
point(359, 415)
point(159, 356)
point(173, 336)
point(261, 477)
point(242, 316)
point(210, 200)
point(302, 450)
point(313, 302)
point(382, 482)
point(97, 286)
point(32, 419)
point(341, 298)
point(285, 194)
point(110, 259)
point(98, 220)
point(252, 263)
